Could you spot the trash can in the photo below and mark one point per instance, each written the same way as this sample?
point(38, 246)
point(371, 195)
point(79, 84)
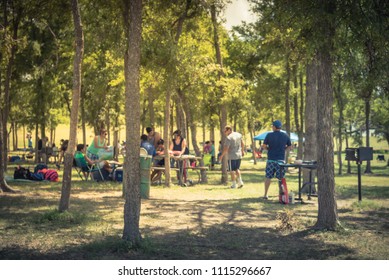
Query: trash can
point(145, 165)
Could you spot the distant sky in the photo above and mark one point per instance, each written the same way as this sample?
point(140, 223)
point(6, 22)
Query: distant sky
point(238, 11)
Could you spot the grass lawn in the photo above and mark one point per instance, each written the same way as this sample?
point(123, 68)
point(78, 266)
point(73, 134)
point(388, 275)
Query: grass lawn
point(200, 222)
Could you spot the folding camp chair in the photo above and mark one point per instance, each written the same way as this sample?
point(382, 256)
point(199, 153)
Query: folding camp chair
point(84, 170)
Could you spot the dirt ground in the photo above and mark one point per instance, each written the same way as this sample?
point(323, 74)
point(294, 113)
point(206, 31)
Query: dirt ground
point(200, 222)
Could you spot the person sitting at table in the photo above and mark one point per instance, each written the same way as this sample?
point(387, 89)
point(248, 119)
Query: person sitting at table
point(178, 147)
point(144, 143)
point(160, 162)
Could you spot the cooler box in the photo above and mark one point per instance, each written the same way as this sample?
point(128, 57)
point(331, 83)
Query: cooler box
point(118, 174)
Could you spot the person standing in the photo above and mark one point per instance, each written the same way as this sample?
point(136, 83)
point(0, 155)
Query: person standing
point(99, 142)
point(234, 149)
point(212, 152)
point(29, 138)
point(276, 143)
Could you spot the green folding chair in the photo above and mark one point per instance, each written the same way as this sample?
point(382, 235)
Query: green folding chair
point(84, 170)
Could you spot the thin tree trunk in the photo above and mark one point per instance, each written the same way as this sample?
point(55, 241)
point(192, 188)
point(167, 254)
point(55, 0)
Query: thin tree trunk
point(223, 108)
point(150, 93)
point(310, 144)
point(367, 123)
point(79, 51)
point(300, 131)
point(339, 98)
point(287, 102)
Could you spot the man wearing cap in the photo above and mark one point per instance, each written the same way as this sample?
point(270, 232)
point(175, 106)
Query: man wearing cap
point(234, 148)
point(276, 143)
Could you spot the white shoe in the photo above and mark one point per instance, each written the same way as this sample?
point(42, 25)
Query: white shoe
point(240, 184)
point(233, 186)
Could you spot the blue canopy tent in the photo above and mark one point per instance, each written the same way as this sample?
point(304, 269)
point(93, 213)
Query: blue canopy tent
point(261, 137)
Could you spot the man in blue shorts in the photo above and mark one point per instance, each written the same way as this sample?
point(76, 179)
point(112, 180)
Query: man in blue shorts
point(276, 143)
point(234, 148)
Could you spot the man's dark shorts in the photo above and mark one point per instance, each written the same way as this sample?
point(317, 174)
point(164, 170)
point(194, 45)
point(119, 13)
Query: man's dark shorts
point(273, 168)
point(234, 164)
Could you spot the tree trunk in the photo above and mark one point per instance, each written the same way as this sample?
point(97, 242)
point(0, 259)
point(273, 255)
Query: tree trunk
point(79, 51)
point(150, 93)
point(367, 123)
point(131, 182)
point(339, 98)
point(310, 145)
point(300, 131)
point(287, 102)
point(7, 81)
point(327, 215)
point(223, 108)
point(347, 145)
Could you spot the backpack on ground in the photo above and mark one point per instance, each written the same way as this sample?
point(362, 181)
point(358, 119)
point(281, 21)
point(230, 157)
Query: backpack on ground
point(283, 194)
point(22, 173)
point(49, 174)
point(40, 166)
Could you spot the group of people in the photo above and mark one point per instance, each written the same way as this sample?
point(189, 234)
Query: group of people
point(91, 155)
point(276, 143)
point(155, 146)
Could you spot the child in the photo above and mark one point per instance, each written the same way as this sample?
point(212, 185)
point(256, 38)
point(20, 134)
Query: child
point(85, 162)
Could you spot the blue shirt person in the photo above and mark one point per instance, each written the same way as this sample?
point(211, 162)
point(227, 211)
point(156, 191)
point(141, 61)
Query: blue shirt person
point(276, 143)
point(144, 143)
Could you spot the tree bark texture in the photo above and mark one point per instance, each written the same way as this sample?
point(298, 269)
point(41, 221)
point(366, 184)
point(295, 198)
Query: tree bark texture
point(67, 175)
point(327, 213)
point(339, 99)
point(223, 108)
point(131, 174)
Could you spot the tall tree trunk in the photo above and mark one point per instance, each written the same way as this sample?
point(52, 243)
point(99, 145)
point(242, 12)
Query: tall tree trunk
point(223, 108)
point(287, 101)
point(193, 130)
point(327, 215)
point(347, 145)
point(79, 51)
point(150, 93)
point(83, 123)
point(300, 132)
point(367, 123)
point(339, 99)
point(310, 144)
point(8, 76)
point(131, 182)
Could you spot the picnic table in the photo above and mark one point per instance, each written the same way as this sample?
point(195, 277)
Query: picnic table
point(183, 165)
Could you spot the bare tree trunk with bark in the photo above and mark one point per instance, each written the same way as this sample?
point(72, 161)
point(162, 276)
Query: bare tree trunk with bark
point(310, 145)
point(67, 175)
point(327, 215)
point(131, 182)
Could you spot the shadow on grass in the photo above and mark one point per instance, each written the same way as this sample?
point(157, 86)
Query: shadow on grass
point(179, 229)
point(371, 192)
point(217, 242)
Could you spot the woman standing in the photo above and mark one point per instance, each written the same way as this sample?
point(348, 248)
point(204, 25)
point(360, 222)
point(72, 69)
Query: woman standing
point(99, 142)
